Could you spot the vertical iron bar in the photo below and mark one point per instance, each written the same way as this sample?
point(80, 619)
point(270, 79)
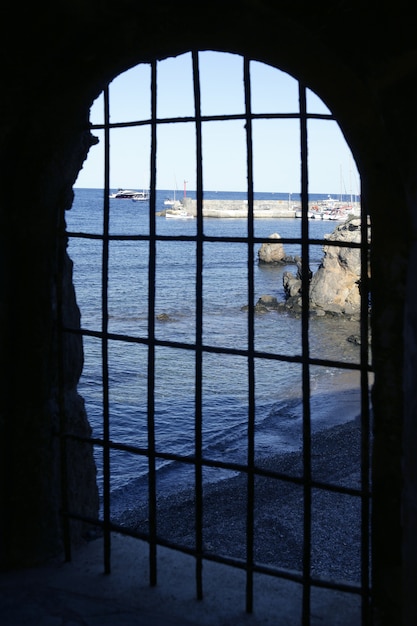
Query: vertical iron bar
point(198, 443)
point(251, 363)
point(305, 359)
point(104, 340)
point(365, 419)
point(62, 243)
point(151, 337)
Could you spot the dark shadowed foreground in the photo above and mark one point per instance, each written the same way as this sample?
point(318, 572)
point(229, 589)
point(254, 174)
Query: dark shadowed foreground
point(278, 512)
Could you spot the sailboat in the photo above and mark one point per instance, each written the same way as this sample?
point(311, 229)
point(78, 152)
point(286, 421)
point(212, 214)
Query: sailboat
point(177, 210)
point(179, 214)
point(174, 203)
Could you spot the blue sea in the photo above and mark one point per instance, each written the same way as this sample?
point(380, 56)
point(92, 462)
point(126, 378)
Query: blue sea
point(335, 396)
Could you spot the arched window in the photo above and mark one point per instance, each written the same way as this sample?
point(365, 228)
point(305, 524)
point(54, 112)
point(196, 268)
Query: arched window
point(220, 264)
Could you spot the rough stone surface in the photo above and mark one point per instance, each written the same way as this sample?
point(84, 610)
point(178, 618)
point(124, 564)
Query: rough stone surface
point(335, 286)
point(272, 252)
point(42, 140)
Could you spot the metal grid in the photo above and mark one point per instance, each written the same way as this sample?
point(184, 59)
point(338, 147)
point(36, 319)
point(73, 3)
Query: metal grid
point(197, 460)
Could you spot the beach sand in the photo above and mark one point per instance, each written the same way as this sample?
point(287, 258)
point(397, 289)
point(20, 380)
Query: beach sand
point(278, 511)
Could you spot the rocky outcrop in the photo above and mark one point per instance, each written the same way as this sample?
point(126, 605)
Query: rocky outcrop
point(274, 252)
point(292, 283)
point(266, 303)
point(334, 287)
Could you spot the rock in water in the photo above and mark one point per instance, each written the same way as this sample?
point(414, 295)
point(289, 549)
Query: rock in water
point(334, 287)
point(272, 252)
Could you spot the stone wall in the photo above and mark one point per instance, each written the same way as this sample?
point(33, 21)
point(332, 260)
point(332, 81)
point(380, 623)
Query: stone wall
point(239, 208)
point(73, 49)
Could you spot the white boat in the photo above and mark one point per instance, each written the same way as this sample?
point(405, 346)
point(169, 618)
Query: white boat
point(338, 215)
point(172, 201)
point(141, 196)
point(178, 214)
point(130, 194)
point(174, 204)
point(177, 210)
point(123, 194)
point(299, 214)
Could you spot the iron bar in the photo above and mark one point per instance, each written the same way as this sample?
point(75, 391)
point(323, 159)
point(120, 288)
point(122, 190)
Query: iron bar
point(63, 422)
point(251, 346)
point(212, 118)
point(365, 420)
point(198, 443)
point(207, 238)
point(305, 317)
point(345, 365)
point(151, 344)
point(197, 459)
point(104, 339)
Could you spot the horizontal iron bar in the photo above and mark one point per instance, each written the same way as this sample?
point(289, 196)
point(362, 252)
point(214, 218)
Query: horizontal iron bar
point(235, 467)
point(211, 239)
point(275, 572)
point(210, 118)
point(219, 350)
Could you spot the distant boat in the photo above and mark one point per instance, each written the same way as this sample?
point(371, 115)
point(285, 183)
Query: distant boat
point(179, 214)
point(331, 209)
point(299, 214)
point(177, 210)
point(172, 202)
point(141, 196)
point(123, 194)
point(130, 194)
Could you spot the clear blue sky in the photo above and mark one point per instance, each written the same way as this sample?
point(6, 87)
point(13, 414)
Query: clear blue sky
point(276, 142)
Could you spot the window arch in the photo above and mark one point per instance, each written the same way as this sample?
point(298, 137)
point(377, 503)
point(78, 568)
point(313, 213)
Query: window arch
point(165, 358)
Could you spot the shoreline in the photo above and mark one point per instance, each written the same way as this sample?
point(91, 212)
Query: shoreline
point(278, 510)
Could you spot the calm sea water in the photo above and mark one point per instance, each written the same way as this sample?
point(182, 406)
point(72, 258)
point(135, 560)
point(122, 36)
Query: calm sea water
point(225, 393)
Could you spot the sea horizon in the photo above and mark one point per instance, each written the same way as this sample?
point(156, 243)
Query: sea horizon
point(228, 195)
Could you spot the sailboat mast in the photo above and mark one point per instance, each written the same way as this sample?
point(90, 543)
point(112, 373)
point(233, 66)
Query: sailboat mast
point(341, 183)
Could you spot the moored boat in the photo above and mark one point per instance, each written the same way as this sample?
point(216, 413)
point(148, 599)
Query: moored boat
point(179, 214)
point(141, 196)
point(175, 205)
point(299, 214)
point(130, 194)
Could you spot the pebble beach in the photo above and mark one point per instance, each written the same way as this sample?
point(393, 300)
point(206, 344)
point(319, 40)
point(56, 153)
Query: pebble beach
point(278, 511)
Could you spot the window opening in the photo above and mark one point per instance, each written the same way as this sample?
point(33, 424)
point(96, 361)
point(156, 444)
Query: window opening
point(179, 323)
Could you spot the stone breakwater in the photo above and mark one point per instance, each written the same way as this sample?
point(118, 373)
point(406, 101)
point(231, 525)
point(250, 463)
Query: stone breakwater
point(264, 209)
point(239, 208)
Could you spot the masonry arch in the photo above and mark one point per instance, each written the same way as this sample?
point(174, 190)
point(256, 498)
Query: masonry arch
point(382, 173)
point(213, 463)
